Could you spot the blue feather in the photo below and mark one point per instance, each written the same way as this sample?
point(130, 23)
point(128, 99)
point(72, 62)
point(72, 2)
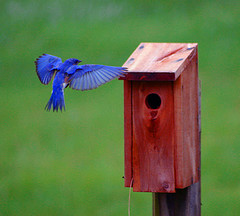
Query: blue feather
point(46, 65)
point(86, 77)
point(57, 98)
point(56, 101)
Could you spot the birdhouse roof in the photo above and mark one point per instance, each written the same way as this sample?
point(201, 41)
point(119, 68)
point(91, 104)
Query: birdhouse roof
point(159, 61)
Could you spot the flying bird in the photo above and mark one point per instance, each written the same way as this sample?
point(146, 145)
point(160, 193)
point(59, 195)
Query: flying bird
point(69, 73)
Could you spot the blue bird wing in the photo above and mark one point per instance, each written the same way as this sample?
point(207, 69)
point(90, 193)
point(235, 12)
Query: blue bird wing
point(46, 66)
point(86, 77)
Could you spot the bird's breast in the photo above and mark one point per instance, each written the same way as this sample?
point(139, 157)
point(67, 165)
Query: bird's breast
point(66, 79)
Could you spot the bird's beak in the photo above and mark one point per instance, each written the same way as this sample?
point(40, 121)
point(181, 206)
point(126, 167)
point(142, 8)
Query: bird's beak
point(77, 62)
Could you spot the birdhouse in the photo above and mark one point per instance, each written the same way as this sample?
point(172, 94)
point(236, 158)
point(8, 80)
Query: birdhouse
point(161, 117)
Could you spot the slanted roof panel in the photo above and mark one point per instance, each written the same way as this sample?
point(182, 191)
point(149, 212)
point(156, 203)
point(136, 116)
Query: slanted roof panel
point(159, 61)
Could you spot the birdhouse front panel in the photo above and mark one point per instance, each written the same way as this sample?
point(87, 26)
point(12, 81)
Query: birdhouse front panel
point(161, 117)
point(153, 137)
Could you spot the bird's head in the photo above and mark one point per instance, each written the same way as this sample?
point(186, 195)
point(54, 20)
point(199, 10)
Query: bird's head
point(73, 61)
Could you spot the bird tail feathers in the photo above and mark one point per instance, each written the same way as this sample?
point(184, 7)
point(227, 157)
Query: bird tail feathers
point(56, 101)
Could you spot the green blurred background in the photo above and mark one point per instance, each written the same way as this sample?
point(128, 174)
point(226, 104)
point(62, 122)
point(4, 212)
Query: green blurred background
point(71, 163)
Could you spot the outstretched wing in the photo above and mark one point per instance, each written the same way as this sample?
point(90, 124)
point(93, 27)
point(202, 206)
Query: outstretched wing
point(86, 77)
point(46, 65)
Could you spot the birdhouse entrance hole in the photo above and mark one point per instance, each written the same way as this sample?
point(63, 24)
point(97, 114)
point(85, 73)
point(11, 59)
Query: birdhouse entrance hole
point(153, 101)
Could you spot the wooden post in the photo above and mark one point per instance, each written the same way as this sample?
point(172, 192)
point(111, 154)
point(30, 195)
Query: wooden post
point(185, 202)
point(162, 126)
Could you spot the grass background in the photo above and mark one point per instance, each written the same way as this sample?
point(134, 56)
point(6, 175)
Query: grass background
point(71, 163)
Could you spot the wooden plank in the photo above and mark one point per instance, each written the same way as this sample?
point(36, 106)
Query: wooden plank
point(187, 155)
point(153, 137)
point(128, 132)
point(162, 61)
point(185, 202)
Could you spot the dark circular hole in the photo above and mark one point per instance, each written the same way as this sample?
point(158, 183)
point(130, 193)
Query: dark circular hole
point(153, 101)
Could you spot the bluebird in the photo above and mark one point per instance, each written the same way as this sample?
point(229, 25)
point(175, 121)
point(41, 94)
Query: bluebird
point(69, 73)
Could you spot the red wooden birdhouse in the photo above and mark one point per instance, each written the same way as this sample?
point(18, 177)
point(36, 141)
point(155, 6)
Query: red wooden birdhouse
point(161, 117)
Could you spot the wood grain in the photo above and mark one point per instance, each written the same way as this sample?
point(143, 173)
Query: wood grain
point(128, 132)
point(185, 202)
point(187, 153)
point(162, 146)
point(153, 137)
point(159, 61)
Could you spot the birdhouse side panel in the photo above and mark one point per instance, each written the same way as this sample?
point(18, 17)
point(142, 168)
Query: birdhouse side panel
point(153, 137)
point(187, 151)
point(127, 133)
